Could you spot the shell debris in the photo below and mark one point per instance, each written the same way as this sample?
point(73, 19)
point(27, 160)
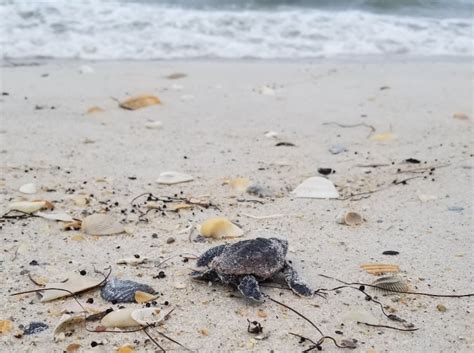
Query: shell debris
point(380, 269)
point(101, 224)
point(349, 218)
point(219, 228)
point(316, 188)
point(171, 177)
point(138, 102)
point(29, 188)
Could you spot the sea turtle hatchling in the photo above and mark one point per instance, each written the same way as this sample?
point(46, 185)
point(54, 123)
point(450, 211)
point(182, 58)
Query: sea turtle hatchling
point(246, 263)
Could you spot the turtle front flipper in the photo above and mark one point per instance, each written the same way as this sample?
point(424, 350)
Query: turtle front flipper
point(294, 281)
point(209, 255)
point(249, 287)
point(210, 275)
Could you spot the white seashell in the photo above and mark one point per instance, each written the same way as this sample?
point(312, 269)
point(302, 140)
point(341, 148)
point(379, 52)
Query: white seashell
point(29, 206)
point(219, 228)
point(266, 91)
point(316, 188)
point(147, 316)
point(426, 197)
point(271, 134)
point(74, 283)
point(169, 178)
point(121, 318)
point(62, 217)
point(29, 188)
point(65, 322)
point(101, 224)
point(154, 125)
point(349, 218)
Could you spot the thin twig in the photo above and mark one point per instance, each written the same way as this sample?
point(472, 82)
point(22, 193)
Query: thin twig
point(390, 327)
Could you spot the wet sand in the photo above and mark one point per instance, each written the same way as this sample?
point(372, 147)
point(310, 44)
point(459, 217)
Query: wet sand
point(214, 124)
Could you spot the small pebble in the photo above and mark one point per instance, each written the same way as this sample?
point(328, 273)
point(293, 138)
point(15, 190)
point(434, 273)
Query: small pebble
point(170, 240)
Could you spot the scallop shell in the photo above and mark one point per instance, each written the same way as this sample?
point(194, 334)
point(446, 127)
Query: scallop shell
point(349, 218)
point(94, 109)
point(123, 291)
point(391, 284)
point(143, 297)
point(74, 283)
point(169, 178)
point(30, 206)
point(101, 224)
point(218, 228)
point(316, 188)
point(153, 125)
point(121, 318)
point(29, 188)
point(139, 102)
point(380, 269)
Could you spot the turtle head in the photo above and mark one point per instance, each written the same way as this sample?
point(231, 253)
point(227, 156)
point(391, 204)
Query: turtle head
point(283, 242)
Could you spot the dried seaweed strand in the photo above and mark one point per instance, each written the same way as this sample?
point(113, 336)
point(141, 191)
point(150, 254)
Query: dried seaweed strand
point(390, 327)
point(372, 129)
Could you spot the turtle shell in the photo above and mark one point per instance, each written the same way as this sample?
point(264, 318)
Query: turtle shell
point(260, 257)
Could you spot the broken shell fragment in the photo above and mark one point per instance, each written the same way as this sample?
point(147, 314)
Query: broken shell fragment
point(101, 224)
point(238, 184)
point(316, 188)
point(219, 228)
point(460, 116)
point(134, 261)
point(73, 284)
point(139, 102)
point(143, 297)
point(123, 291)
point(349, 218)
point(169, 178)
point(94, 109)
point(121, 318)
point(29, 188)
point(147, 316)
point(66, 322)
point(384, 136)
point(153, 125)
point(56, 216)
point(30, 206)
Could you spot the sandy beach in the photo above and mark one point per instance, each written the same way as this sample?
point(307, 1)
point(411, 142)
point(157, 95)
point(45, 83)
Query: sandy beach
point(214, 124)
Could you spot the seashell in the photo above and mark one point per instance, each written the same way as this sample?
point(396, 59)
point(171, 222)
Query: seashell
point(266, 91)
point(29, 188)
point(238, 184)
point(139, 102)
point(143, 297)
point(147, 316)
point(30, 206)
point(218, 228)
point(380, 269)
point(271, 134)
point(426, 197)
point(101, 224)
point(121, 318)
point(169, 178)
point(349, 218)
point(62, 217)
point(134, 261)
point(384, 136)
point(178, 206)
point(154, 125)
point(74, 283)
point(65, 323)
point(123, 291)
point(80, 199)
point(125, 349)
point(94, 109)
point(390, 284)
point(5, 326)
point(316, 188)
point(337, 148)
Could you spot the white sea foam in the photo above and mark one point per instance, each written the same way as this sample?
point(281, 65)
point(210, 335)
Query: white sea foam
point(95, 29)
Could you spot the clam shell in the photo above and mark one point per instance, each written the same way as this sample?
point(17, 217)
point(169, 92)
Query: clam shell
point(380, 269)
point(349, 218)
point(101, 224)
point(218, 228)
point(30, 206)
point(169, 178)
point(121, 318)
point(139, 102)
point(153, 125)
point(74, 283)
point(316, 188)
point(29, 188)
point(123, 291)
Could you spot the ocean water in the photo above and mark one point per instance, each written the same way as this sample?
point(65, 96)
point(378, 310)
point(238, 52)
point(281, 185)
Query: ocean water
point(265, 29)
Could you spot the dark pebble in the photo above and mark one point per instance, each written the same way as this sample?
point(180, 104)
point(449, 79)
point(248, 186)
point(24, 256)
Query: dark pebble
point(390, 252)
point(412, 160)
point(34, 263)
point(35, 327)
point(325, 171)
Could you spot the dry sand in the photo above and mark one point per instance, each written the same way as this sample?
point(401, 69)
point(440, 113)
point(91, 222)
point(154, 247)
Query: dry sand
point(214, 122)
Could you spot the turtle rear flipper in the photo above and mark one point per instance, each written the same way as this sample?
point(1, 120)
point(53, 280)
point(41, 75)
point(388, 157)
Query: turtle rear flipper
point(210, 275)
point(209, 255)
point(294, 281)
point(249, 287)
